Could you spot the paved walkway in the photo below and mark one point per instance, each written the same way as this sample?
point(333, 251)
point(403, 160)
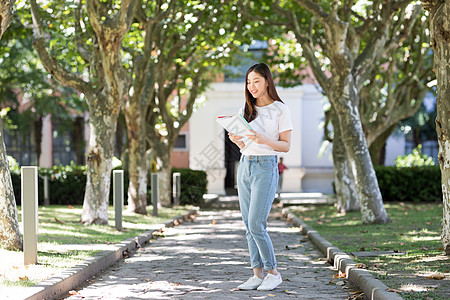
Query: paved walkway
point(208, 258)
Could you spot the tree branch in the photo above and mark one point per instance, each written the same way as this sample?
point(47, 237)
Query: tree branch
point(192, 33)
point(193, 93)
point(6, 8)
point(365, 61)
point(85, 54)
point(117, 24)
point(308, 51)
point(50, 63)
point(254, 17)
point(399, 35)
point(126, 13)
point(315, 9)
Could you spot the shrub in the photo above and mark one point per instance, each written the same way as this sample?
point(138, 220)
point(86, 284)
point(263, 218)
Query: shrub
point(415, 184)
point(414, 159)
point(67, 184)
point(193, 186)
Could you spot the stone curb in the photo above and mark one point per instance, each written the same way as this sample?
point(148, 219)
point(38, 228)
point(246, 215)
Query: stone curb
point(373, 288)
point(60, 285)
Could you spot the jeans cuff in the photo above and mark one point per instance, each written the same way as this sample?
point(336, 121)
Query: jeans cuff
point(258, 266)
point(267, 268)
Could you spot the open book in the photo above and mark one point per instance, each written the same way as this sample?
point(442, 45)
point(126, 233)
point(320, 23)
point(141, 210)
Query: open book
point(237, 125)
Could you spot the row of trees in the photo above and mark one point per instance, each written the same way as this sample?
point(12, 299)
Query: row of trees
point(142, 56)
point(371, 60)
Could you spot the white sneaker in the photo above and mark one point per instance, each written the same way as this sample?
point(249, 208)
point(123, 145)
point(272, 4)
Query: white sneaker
point(270, 282)
point(251, 284)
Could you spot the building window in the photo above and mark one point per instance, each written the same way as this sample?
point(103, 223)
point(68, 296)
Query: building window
point(181, 144)
point(21, 146)
point(252, 56)
point(62, 151)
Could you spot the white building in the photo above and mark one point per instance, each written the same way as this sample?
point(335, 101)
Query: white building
point(209, 148)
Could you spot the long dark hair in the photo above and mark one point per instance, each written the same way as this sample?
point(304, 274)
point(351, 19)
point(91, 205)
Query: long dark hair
point(262, 69)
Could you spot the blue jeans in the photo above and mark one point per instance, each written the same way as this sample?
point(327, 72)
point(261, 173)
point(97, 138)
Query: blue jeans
point(257, 180)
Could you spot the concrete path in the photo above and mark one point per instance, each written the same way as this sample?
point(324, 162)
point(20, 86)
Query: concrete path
point(208, 258)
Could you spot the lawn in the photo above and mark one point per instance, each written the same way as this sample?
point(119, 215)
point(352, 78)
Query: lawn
point(422, 272)
point(64, 242)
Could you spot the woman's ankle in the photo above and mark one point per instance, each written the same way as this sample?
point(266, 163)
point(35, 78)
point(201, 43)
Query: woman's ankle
point(259, 272)
point(273, 272)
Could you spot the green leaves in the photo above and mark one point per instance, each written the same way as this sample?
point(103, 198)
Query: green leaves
point(414, 159)
point(23, 78)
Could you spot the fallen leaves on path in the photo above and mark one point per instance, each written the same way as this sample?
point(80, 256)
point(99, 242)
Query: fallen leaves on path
point(394, 290)
point(357, 296)
point(73, 292)
point(340, 275)
point(355, 292)
point(59, 221)
point(361, 266)
point(436, 276)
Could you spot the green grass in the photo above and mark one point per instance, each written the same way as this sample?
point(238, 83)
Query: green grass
point(415, 230)
point(63, 240)
point(19, 283)
point(56, 221)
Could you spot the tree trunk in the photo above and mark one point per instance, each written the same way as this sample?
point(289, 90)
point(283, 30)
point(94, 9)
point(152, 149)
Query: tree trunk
point(344, 182)
point(104, 92)
point(440, 42)
point(38, 137)
point(10, 236)
point(137, 166)
point(77, 140)
point(372, 207)
point(120, 133)
point(164, 178)
point(102, 128)
point(378, 145)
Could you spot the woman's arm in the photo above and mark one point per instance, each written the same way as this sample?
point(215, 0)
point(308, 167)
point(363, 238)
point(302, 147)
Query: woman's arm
point(236, 139)
point(282, 145)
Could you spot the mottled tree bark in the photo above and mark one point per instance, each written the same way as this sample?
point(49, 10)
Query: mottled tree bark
point(372, 208)
point(440, 42)
point(137, 163)
point(346, 194)
point(378, 145)
point(347, 75)
point(104, 89)
point(162, 152)
point(165, 191)
point(10, 236)
point(99, 160)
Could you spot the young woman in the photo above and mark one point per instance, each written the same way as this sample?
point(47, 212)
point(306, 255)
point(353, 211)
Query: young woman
point(257, 174)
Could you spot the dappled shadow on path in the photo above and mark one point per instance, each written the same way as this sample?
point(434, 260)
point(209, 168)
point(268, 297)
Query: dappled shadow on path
point(208, 258)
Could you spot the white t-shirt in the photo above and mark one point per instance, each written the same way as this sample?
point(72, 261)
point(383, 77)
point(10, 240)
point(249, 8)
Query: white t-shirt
point(270, 121)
